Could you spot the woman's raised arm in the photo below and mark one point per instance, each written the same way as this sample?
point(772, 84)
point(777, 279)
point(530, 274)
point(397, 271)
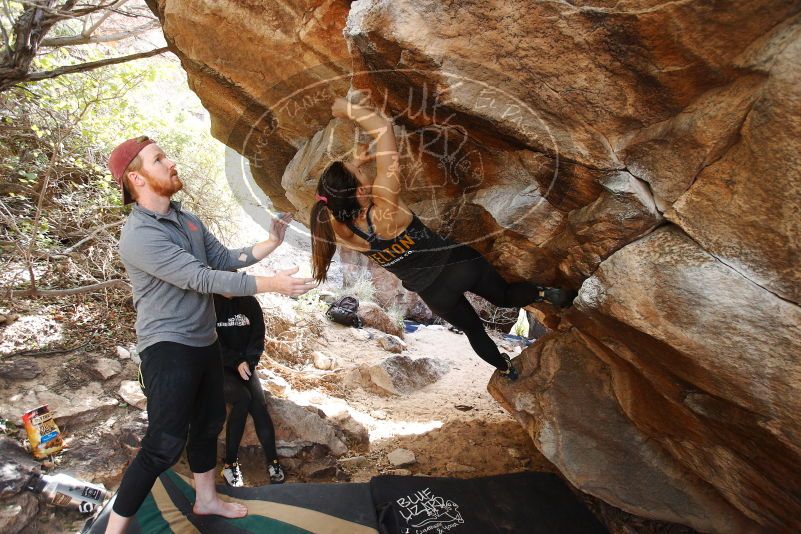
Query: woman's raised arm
point(387, 185)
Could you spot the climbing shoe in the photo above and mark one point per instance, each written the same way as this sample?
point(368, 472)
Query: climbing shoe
point(233, 475)
point(561, 298)
point(276, 473)
point(510, 372)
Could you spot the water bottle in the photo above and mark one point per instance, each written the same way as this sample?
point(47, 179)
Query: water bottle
point(64, 490)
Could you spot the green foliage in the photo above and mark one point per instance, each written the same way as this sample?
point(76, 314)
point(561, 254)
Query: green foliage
point(59, 132)
point(362, 288)
point(396, 314)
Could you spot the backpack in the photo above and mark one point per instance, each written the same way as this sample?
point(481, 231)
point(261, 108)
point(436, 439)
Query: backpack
point(343, 311)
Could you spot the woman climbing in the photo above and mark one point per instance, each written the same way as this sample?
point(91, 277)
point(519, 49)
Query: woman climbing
point(240, 329)
point(367, 214)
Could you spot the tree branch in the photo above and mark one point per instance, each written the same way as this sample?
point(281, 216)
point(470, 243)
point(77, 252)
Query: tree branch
point(91, 29)
point(84, 67)
point(122, 284)
point(81, 38)
point(89, 237)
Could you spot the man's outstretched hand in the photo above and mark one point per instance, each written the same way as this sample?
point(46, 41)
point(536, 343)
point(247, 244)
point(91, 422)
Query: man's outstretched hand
point(284, 283)
point(279, 226)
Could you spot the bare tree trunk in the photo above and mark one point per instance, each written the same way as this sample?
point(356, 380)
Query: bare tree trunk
point(37, 19)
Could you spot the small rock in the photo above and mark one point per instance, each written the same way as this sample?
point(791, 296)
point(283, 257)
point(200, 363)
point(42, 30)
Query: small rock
point(322, 361)
point(458, 468)
point(392, 343)
point(399, 472)
point(131, 392)
point(342, 476)
point(360, 334)
point(123, 353)
point(354, 462)
point(354, 433)
point(378, 414)
point(20, 369)
point(105, 368)
point(401, 457)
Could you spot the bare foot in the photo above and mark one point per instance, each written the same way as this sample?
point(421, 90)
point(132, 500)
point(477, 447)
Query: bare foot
point(219, 507)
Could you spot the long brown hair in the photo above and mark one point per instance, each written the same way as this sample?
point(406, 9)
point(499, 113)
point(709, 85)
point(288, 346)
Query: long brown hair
point(336, 195)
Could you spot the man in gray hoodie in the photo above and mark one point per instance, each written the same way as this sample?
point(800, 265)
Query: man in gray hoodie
point(175, 265)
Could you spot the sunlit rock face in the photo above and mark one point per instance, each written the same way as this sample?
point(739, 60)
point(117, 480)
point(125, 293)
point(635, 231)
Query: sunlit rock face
point(645, 152)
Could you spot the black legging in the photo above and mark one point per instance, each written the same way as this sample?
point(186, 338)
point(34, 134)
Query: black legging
point(185, 406)
point(467, 270)
point(247, 397)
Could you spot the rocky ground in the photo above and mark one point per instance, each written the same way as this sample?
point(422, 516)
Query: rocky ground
point(348, 404)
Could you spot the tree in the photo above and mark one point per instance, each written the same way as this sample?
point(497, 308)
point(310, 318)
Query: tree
point(26, 24)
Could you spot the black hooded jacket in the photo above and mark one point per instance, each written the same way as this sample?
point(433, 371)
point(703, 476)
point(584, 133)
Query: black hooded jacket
point(240, 329)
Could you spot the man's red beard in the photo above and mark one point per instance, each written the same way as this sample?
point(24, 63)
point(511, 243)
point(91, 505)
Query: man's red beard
point(165, 190)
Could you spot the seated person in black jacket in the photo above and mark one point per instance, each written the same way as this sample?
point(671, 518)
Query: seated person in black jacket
point(240, 328)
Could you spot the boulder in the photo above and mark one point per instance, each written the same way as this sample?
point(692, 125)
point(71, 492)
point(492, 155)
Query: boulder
point(565, 399)
point(97, 458)
point(131, 434)
point(647, 152)
point(299, 427)
point(275, 384)
point(373, 316)
point(17, 511)
point(16, 466)
point(397, 375)
point(77, 408)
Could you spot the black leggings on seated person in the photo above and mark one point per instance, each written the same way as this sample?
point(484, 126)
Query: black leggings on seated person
point(467, 270)
point(247, 397)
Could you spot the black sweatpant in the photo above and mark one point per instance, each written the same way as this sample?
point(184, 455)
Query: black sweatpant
point(185, 407)
point(467, 270)
point(247, 397)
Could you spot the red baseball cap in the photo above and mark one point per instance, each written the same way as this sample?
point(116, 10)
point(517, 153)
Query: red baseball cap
point(122, 156)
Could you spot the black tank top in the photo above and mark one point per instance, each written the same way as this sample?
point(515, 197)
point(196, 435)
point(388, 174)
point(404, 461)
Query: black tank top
point(416, 256)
